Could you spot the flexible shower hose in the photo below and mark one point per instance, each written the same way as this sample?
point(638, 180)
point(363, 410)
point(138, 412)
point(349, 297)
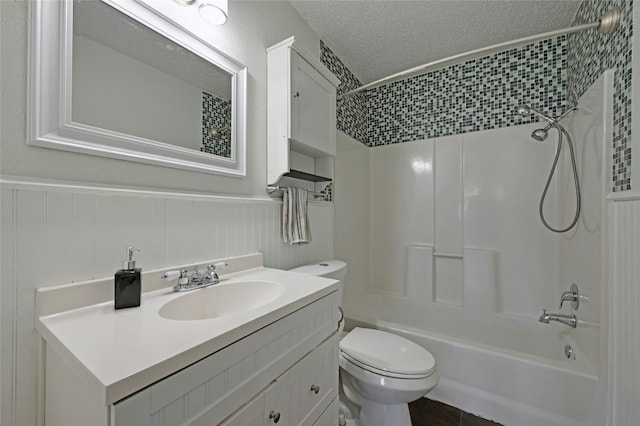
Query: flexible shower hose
point(561, 131)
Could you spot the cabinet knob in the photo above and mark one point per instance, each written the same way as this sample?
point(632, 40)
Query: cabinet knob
point(315, 388)
point(275, 416)
point(296, 94)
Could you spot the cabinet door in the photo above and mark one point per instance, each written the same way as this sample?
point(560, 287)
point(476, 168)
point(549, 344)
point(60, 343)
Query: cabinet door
point(313, 108)
point(315, 382)
point(330, 416)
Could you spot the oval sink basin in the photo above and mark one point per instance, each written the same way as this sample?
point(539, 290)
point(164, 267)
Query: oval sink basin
point(220, 300)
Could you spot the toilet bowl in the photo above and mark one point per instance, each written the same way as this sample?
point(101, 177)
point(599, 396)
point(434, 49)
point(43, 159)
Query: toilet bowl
point(380, 373)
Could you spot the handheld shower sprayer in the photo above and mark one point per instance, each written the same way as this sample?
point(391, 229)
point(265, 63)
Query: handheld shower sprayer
point(540, 135)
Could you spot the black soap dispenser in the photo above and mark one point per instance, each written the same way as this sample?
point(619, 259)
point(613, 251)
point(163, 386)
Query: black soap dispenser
point(128, 283)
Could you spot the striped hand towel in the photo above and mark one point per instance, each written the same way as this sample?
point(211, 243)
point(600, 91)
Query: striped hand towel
point(295, 223)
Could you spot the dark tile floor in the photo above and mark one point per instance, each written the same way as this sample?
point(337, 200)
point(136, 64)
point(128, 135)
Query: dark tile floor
point(425, 412)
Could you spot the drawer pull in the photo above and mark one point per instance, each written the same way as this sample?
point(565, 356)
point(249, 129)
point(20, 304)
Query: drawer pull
point(315, 388)
point(275, 416)
point(296, 94)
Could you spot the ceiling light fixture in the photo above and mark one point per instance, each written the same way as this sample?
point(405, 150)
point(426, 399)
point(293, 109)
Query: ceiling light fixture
point(213, 11)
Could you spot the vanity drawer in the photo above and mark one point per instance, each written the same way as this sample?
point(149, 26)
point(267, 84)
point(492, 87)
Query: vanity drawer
point(210, 390)
point(330, 417)
point(290, 400)
point(314, 382)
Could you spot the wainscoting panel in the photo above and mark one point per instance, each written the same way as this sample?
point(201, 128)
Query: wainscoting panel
point(624, 329)
point(55, 233)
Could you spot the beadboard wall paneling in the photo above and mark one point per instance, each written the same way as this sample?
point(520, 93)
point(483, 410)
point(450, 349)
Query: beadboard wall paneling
point(57, 233)
point(624, 325)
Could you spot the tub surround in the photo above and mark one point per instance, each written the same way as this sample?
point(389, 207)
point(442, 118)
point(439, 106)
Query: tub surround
point(466, 259)
point(122, 352)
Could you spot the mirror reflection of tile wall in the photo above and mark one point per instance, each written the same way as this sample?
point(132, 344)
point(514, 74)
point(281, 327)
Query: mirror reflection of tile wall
point(216, 126)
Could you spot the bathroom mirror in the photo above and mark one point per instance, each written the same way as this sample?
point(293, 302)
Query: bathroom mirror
point(118, 79)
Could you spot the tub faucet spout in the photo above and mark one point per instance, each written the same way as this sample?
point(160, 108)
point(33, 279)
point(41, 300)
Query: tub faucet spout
point(569, 320)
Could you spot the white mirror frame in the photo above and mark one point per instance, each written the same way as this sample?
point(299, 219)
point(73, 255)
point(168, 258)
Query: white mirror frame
point(50, 121)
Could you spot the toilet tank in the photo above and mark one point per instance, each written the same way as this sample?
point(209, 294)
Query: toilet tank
point(334, 269)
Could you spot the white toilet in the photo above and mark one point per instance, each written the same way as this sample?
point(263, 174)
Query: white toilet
point(380, 372)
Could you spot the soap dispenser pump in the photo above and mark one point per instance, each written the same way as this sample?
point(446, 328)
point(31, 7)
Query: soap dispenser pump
point(128, 283)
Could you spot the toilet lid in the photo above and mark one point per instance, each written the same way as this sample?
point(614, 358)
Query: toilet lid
point(387, 352)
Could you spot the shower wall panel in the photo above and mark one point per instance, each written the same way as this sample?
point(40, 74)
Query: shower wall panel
point(504, 173)
point(583, 258)
point(502, 265)
point(402, 211)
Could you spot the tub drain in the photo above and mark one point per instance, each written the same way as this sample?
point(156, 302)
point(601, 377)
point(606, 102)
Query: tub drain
point(568, 352)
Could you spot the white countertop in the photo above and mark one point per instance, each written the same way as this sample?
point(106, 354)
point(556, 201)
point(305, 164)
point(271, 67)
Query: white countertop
point(124, 351)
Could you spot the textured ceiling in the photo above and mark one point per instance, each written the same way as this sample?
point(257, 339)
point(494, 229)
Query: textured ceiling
point(376, 38)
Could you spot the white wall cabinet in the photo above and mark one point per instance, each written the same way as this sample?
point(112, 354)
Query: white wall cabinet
point(278, 368)
point(301, 112)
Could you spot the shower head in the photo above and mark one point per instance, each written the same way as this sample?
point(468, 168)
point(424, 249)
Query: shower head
point(540, 134)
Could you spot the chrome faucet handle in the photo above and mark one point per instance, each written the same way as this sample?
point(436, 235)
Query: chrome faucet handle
point(217, 265)
point(572, 295)
point(183, 279)
point(213, 275)
point(172, 275)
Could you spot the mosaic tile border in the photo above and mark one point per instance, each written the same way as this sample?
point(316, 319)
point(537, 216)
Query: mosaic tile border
point(352, 111)
point(477, 95)
point(481, 94)
point(216, 114)
point(591, 53)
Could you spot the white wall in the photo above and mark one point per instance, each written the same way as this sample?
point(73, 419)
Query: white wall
point(67, 217)
point(351, 208)
point(116, 92)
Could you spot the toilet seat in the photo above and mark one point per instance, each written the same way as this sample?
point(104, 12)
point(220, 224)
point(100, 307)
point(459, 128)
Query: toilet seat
point(386, 354)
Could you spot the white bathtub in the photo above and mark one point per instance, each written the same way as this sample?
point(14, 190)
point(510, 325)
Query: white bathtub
point(539, 387)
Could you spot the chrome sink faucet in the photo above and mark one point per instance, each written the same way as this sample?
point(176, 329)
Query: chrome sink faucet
point(569, 320)
point(196, 280)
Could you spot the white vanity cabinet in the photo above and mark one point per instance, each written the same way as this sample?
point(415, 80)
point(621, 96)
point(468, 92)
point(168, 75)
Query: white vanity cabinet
point(301, 112)
point(277, 368)
point(298, 397)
